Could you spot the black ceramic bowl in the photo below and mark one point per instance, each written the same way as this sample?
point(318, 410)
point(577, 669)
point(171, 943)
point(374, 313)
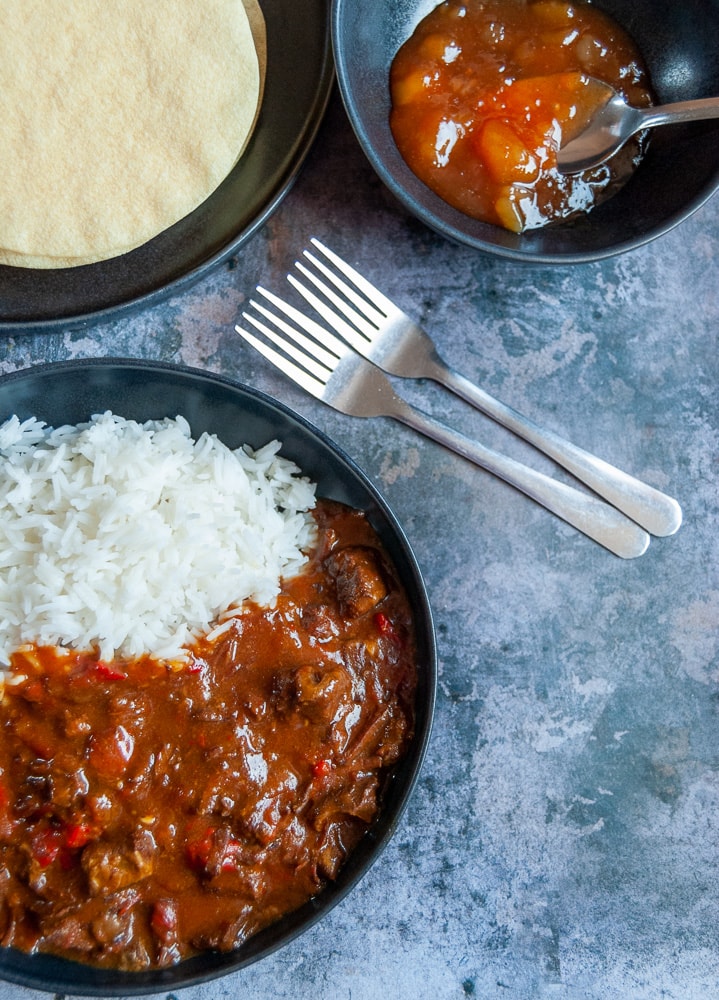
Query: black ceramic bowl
point(678, 174)
point(70, 392)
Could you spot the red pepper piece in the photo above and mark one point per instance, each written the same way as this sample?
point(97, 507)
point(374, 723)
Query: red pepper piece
point(231, 857)
point(198, 849)
point(78, 834)
point(382, 622)
point(164, 917)
point(46, 844)
point(385, 625)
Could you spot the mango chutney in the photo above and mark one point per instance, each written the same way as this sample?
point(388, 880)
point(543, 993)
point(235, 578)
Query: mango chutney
point(483, 92)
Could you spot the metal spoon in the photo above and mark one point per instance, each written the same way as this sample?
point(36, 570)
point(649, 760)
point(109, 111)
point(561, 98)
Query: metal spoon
point(616, 121)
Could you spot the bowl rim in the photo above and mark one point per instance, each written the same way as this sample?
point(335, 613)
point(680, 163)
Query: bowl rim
point(48, 973)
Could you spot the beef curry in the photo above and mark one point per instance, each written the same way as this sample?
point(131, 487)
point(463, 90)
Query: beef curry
point(151, 811)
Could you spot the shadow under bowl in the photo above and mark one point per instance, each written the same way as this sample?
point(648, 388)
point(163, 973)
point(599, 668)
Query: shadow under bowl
point(678, 174)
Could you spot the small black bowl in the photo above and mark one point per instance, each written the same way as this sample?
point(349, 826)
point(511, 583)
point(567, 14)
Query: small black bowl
point(678, 174)
point(70, 392)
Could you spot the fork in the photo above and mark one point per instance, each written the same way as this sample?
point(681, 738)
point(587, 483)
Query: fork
point(380, 331)
point(327, 368)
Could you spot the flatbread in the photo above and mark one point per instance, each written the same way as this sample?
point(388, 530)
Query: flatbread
point(117, 119)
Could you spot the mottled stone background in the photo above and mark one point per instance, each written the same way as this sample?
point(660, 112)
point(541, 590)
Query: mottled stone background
point(562, 840)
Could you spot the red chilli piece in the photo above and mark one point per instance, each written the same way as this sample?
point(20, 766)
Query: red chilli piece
point(385, 626)
point(109, 672)
point(321, 768)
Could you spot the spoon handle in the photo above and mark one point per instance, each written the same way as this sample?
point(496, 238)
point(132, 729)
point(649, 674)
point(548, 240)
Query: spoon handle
point(681, 111)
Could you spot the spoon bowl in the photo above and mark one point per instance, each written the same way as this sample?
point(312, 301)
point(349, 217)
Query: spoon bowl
point(616, 121)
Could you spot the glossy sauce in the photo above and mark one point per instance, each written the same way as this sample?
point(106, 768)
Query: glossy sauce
point(483, 91)
point(148, 813)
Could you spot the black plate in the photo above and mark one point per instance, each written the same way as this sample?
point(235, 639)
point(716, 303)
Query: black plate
point(70, 392)
point(297, 87)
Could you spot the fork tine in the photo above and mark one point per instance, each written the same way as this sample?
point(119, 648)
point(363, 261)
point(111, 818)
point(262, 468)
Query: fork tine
point(311, 350)
point(366, 309)
point(381, 301)
point(316, 368)
point(317, 332)
point(315, 386)
point(357, 340)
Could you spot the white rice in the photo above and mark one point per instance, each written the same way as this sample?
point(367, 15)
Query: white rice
point(133, 538)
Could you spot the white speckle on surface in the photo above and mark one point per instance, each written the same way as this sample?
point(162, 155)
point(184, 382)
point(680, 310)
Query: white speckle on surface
point(391, 470)
point(695, 634)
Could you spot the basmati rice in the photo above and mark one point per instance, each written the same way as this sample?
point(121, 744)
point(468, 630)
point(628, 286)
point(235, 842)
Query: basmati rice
point(134, 538)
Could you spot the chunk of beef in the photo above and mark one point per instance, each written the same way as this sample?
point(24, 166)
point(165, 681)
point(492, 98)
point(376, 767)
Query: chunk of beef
point(234, 925)
point(69, 784)
point(266, 818)
point(114, 928)
point(69, 933)
point(34, 795)
point(322, 692)
point(332, 851)
point(342, 798)
point(319, 622)
point(358, 578)
point(110, 867)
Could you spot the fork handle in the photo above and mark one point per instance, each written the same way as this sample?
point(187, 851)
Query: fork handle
point(602, 523)
point(658, 513)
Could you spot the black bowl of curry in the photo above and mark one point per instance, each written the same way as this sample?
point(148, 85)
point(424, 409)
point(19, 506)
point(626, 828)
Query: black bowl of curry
point(459, 106)
point(165, 823)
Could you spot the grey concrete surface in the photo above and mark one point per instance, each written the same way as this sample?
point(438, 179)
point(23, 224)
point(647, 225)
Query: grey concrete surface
point(562, 840)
